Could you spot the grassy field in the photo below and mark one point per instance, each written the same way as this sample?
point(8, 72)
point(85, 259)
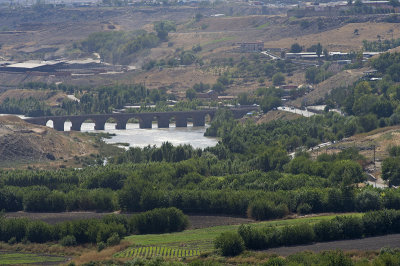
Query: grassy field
point(199, 240)
point(22, 258)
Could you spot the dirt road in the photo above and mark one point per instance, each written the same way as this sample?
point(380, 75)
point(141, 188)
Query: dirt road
point(370, 243)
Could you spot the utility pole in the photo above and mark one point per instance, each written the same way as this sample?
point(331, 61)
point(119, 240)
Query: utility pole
point(374, 155)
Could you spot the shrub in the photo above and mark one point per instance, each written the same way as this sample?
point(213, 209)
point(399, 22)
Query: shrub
point(12, 240)
point(101, 246)
point(264, 210)
point(335, 258)
point(161, 220)
point(328, 230)
point(113, 240)
point(297, 234)
point(378, 222)
point(368, 200)
point(68, 241)
point(38, 232)
point(229, 243)
point(253, 238)
point(304, 208)
point(352, 227)
point(277, 261)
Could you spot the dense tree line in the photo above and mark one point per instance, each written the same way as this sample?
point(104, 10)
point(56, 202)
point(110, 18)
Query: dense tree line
point(92, 230)
point(341, 227)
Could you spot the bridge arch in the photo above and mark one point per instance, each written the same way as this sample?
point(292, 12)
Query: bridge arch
point(87, 124)
point(208, 118)
point(49, 123)
point(68, 125)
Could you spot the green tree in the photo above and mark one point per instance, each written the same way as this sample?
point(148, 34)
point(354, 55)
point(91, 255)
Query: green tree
point(163, 28)
point(391, 170)
point(278, 79)
point(229, 244)
point(296, 48)
point(319, 50)
point(190, 94)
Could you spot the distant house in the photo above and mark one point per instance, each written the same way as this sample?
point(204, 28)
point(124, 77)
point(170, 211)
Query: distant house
point(249, 47)
point(227, 97)
point(207, 95)
point(288, 87)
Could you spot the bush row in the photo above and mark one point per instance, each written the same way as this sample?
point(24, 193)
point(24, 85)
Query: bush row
point(341, 227)
point(92, 230)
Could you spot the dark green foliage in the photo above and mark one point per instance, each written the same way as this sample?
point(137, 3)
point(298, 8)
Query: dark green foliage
point(304, 208)
point(368, 200)
point(229, 244)
point(163, 28)
point(297, 234)
point(68, 241)
point(391, 170)
point(113, 240)
point(158, 221)
point(263, 209)
point(278, 79)
point(316, 75)
point(38, 232)
point(341, 227)
point(296, 48)
point(108, 230)
point(253, 238)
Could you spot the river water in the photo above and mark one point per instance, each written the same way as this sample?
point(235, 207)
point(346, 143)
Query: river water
point(137, 137)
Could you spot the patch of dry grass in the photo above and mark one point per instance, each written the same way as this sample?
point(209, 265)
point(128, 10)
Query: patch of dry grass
point(343, 38)
point(105, 254)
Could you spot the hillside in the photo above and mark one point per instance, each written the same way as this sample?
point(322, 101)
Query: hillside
point(342, 79)
point(24, 142)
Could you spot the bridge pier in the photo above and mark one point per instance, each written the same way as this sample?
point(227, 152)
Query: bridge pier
point(99, 123)
point(146, 121)
point(163, 121)
point(180, 121)
point(198, 120)
point(121, 123)
point(58, 124)
point(76, 124)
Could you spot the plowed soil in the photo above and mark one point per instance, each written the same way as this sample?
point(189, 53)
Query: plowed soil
point(371, 243)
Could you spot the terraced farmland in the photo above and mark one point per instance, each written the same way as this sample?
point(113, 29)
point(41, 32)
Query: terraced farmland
point(191, 243)
point(148, 252)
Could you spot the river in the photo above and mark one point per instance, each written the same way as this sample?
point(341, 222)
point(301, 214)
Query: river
point(137, 137)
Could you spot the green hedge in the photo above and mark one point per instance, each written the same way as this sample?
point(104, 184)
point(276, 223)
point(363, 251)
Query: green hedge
point(341, 227)
point(104, 230)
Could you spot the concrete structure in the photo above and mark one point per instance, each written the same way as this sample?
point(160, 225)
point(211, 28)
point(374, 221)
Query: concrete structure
point(145, 119)
point(246, 47)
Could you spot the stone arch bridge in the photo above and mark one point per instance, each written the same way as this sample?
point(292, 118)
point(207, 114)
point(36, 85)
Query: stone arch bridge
point(145, 119)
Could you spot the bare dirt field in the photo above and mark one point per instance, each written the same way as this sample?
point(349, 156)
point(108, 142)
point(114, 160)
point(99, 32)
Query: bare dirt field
point(21, 142)
point(343, 38)
point(370, 243)
point(195, 221)
point(277, 115)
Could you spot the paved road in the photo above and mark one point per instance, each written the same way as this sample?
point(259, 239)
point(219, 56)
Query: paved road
point(370, 243)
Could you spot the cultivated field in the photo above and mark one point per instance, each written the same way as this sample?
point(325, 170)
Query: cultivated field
point(200, 240)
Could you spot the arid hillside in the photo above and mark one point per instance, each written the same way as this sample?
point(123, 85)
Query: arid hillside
point(24, 142)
